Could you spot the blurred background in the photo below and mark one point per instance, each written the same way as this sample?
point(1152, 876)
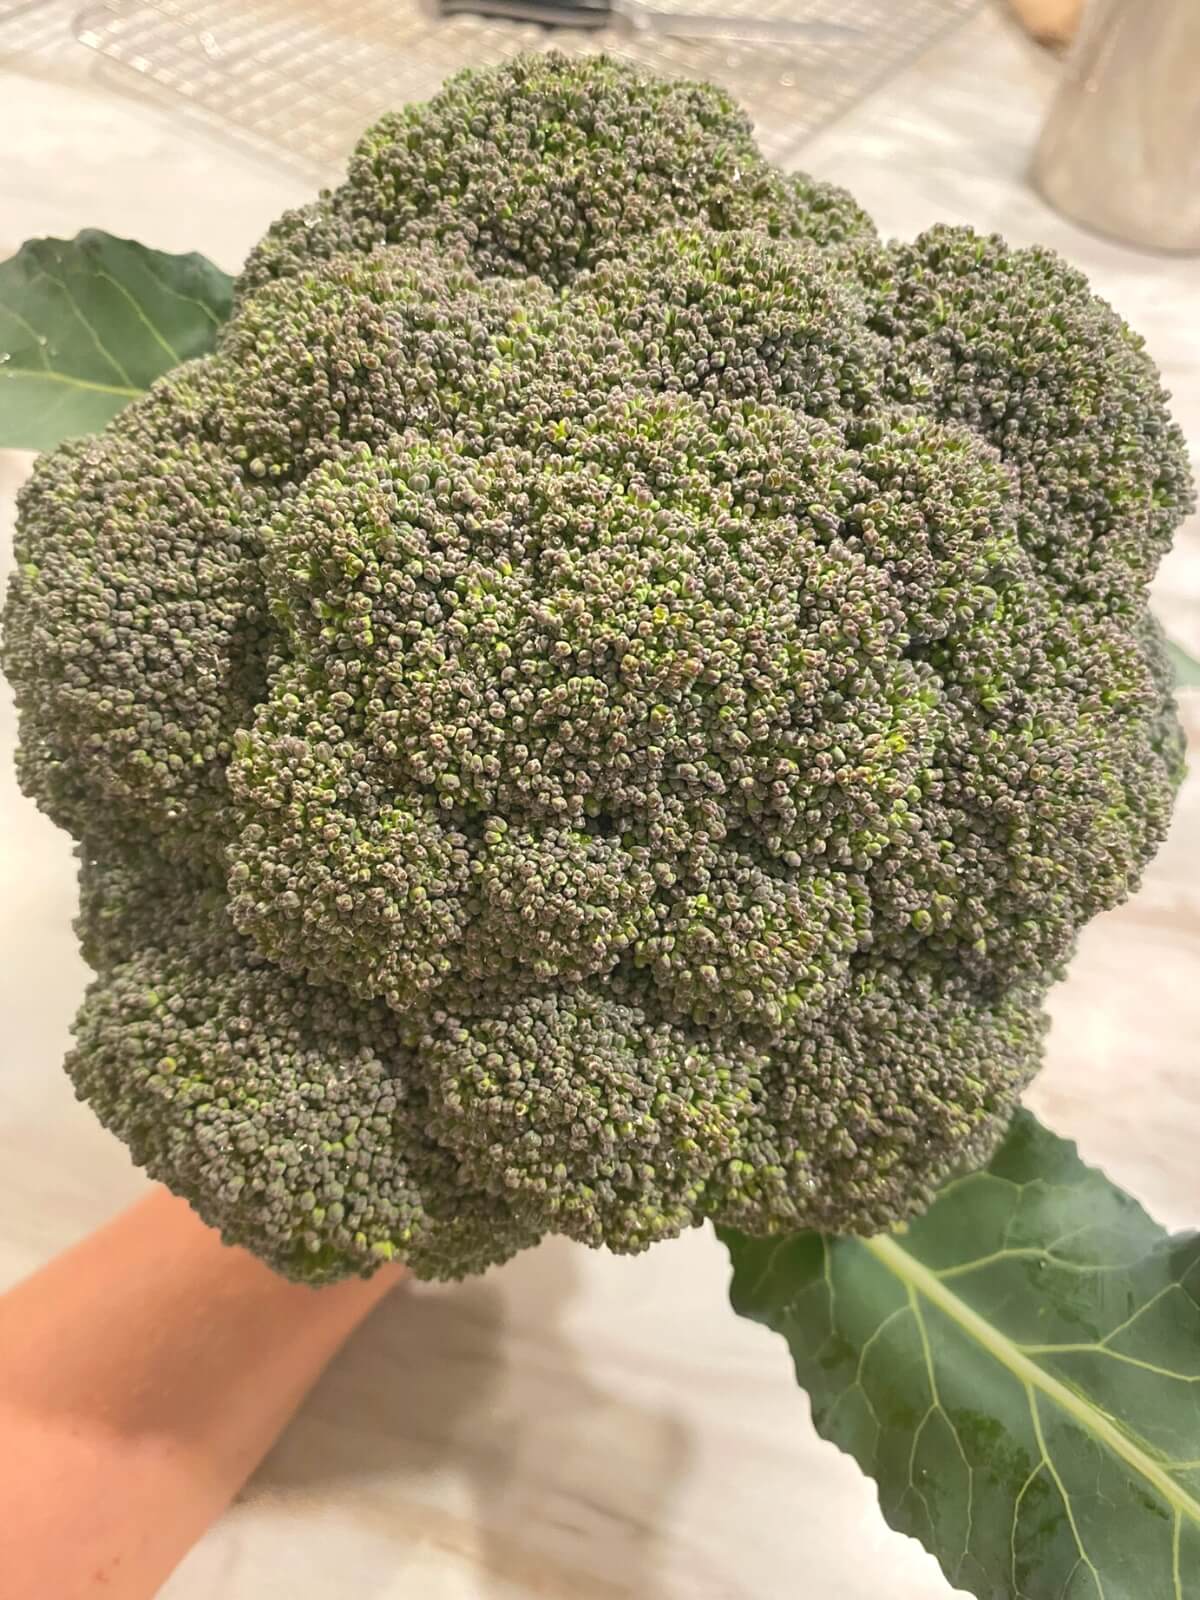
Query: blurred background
point(573, 1425)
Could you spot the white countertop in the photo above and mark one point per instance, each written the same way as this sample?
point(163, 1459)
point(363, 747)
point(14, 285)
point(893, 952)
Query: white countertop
point(577, 1426)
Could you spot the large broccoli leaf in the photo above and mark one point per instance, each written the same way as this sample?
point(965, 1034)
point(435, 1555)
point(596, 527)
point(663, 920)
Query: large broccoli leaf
point(1019, 1370)
point(87, 324)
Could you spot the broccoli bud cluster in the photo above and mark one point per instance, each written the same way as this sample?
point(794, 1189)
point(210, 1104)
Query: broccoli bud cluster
point(605, 702)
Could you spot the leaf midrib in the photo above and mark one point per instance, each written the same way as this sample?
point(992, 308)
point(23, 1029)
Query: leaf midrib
point(915, 1275)
point(49, 375)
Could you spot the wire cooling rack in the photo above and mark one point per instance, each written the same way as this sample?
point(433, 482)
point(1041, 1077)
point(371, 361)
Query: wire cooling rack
point(301, 78)
point(36, 28)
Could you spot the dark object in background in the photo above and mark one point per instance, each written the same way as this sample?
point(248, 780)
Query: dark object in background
point(626, 17)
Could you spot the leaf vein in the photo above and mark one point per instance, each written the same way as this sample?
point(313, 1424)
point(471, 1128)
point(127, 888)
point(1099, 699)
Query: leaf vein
point(140, 313)
point(187, 299)
point(1113, 1355)
point(1011, 1356)
point(61, 284)
point(51, 376)
point(1066, 1498)
point(24, 322)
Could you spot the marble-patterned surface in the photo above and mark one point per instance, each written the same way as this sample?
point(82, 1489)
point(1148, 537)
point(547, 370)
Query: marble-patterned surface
point(575, 1426)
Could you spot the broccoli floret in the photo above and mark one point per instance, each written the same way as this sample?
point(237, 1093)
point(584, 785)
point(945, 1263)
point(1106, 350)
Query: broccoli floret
point(911, 1074)
point(289, 1118)
point(1013, 343)
point(620, 1157)
point(135, 633)
point(606, 701)
point(546, 167)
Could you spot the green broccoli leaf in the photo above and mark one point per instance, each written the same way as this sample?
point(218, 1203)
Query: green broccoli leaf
point(1019, 1371)
point(87, 324)
point(1187, 668)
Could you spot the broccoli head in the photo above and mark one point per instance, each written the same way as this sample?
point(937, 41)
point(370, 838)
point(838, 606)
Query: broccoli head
point(605, 702)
